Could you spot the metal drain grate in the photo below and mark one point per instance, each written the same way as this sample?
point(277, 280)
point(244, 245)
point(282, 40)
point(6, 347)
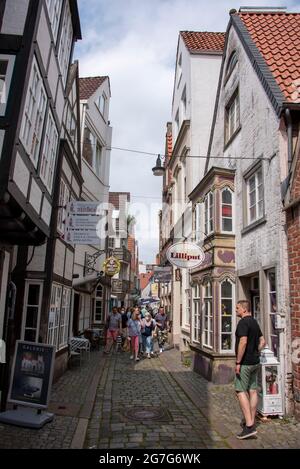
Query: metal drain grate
point(148, 414)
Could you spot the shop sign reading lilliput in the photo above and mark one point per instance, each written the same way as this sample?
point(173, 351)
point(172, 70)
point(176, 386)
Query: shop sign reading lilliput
point(185, 255)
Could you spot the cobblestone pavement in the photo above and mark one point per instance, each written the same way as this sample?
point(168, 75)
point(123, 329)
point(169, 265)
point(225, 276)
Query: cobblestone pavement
point(201, 415)
point(70, 401)
point(96, 401)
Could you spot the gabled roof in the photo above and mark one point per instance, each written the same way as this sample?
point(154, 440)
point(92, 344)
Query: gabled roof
point(198, 41)
point(88, 86)
point(277, 37)
point(271, 41)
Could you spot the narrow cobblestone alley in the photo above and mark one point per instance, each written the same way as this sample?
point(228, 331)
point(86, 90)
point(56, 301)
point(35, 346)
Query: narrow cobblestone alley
point(94, 404)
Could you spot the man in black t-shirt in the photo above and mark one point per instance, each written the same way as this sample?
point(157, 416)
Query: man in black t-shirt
point(249, 343)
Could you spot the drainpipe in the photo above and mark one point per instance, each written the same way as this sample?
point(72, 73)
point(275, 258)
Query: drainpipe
point(290, 136)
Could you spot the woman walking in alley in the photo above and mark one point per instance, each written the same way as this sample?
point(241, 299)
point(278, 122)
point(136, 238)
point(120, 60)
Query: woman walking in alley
point(148, 327)
point(134, 333)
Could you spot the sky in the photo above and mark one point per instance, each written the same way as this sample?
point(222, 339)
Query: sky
point(134, 42)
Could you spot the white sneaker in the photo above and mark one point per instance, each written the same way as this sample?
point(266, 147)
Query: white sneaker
point(148, 355)
point(152, 354)
point(160, 350)
point(131, 357)
point(137, 359)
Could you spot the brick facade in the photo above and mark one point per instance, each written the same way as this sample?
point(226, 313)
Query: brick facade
point(293, 223)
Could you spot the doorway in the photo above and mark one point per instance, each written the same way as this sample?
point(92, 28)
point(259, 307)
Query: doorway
point(76, 311)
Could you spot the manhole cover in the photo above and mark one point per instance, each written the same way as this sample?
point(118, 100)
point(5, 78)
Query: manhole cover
point(145, 414)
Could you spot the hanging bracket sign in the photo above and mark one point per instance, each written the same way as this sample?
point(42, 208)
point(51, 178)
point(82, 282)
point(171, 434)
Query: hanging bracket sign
point(112, 266)
point(185, 255)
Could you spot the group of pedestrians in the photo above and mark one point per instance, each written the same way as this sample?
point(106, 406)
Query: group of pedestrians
point(140, 329)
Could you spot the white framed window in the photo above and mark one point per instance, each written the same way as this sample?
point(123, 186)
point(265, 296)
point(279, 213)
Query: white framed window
point(183, 104)
point(54, 315)
point(32, 310)
point(232, 61)
point(272, 307)
point(2, 134)
point(197, 215)
point(188, 307)
point(207, 316)
point(196, 314)
point(227, 316)
point(98, 305)
point(179, 69)
point(209, 213)
point(34, 113)
point(64, 317)
point(54, 11)
point(65, 43)
point(92, 151)
point(232, 116)
point(98, 159)
point(101, 103)
point(6, 70)
point(226, 210)
point(177, 123)
point(64, 197)
point(48, 158)
point(255, 202)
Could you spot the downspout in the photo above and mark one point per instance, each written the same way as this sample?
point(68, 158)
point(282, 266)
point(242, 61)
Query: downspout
point(285, 335)
point(289, 136)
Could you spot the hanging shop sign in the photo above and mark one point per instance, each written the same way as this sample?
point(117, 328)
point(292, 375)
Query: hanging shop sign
point(116, 286)
point(112, 266)
point(185, 255)
point(32, 374)
point(162, 274)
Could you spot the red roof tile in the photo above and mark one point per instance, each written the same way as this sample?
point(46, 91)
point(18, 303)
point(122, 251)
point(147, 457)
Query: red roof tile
point(277, 37)
point(145, 279)
point(88, 86)
point(197, 41)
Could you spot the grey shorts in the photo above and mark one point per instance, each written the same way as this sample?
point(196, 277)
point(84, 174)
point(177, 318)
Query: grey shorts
point(247, 379)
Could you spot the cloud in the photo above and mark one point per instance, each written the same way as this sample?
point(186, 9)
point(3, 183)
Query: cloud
point(135, 42)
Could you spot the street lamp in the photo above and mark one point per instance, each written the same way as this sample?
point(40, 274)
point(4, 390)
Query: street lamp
point(158, 169)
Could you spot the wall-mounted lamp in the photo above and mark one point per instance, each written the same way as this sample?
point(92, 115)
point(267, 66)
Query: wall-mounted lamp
point(158, 169)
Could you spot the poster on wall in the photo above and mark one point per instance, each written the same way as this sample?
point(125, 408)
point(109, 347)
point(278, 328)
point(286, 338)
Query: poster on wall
point(32, 374)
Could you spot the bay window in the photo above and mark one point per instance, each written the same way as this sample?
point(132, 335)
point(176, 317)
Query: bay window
point(227, 315)
point(226, 210)
point(196, 313)
point(209, 213)
point(207, 316)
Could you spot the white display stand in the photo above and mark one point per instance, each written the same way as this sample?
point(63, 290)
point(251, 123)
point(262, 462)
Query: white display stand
point(26, 417)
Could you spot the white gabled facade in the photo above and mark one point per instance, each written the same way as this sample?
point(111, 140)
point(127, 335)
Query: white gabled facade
point(197, 69)
point(91, 302)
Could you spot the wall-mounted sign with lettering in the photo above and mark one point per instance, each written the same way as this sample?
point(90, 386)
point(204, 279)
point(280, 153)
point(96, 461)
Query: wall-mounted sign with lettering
point(185, 255)
point(111, 266)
